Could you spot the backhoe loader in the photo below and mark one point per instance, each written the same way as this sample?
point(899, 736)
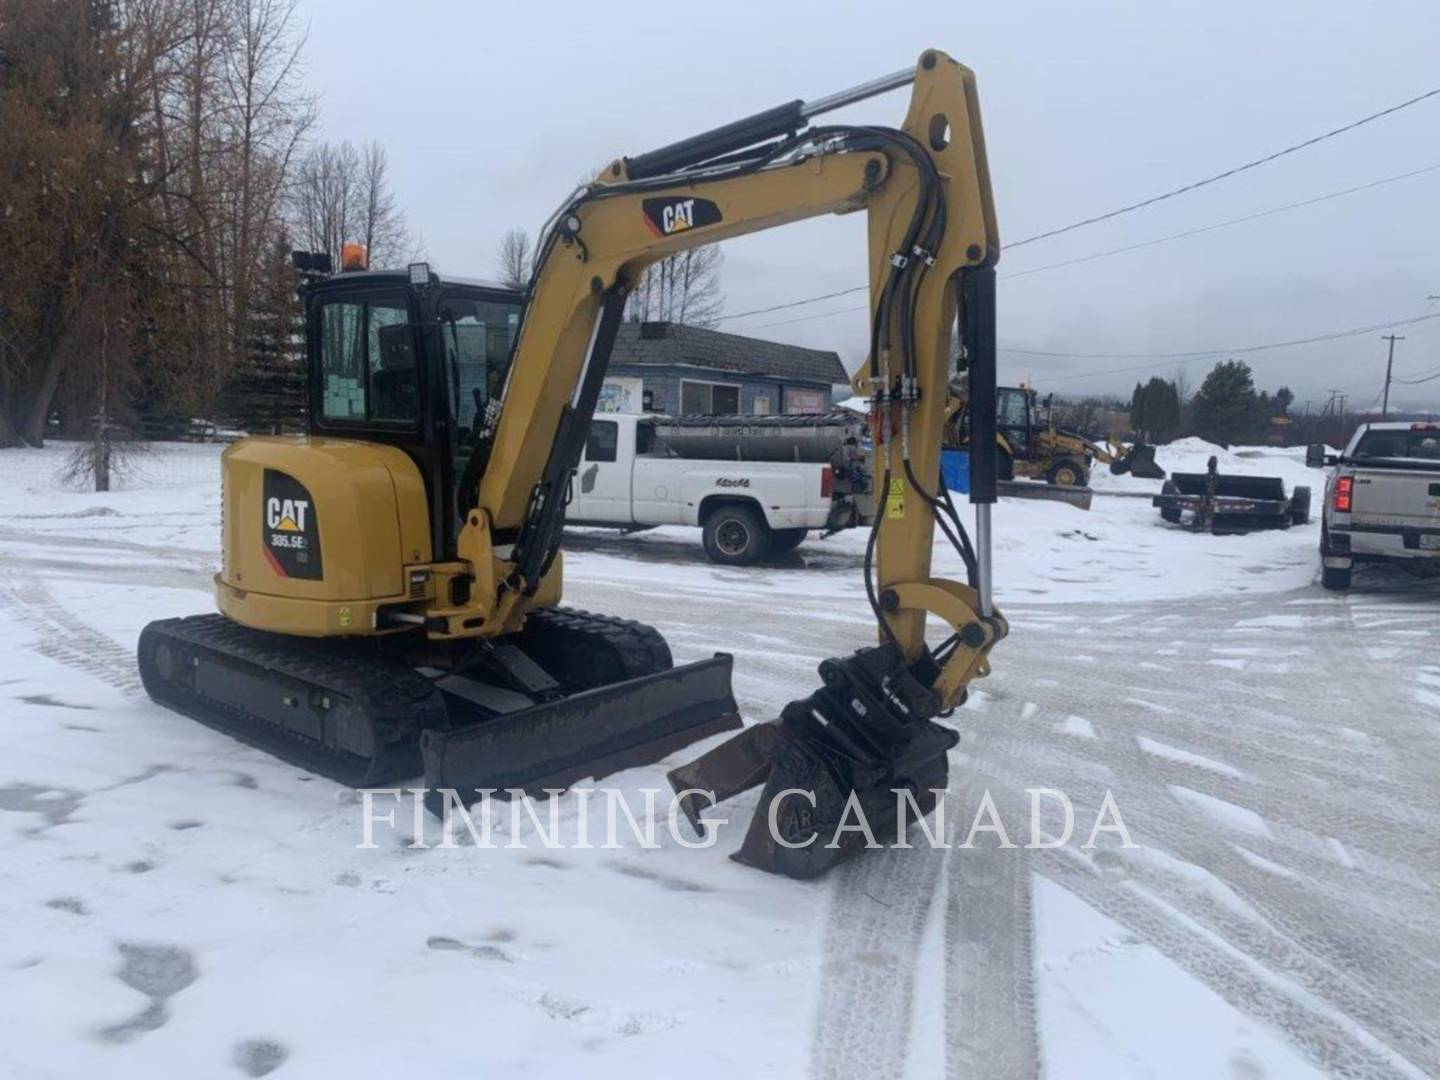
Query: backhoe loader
point(1033, 446)
point(391, 582)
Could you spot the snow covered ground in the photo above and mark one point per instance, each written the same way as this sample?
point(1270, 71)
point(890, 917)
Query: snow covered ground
point(175, 903)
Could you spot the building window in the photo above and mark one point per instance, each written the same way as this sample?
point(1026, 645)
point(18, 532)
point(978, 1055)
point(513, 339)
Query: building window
point(708, 399)
point(761, 405)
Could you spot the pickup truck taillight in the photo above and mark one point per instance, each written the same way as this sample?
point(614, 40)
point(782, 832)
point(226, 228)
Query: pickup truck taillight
point(827, 482)
point(1340, 498)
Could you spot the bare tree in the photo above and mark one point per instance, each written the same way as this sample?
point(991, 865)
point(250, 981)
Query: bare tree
point(681, 288)
point(343, 195)
point(515, 260)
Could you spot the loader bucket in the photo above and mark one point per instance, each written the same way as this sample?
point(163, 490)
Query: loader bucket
point(590, 734)
point(1139, 461)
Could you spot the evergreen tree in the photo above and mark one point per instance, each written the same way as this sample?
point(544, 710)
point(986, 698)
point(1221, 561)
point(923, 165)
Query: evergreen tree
point(268, 391)
point(1226, 404)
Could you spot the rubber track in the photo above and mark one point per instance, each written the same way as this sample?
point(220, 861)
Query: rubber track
point(638, 649)
point(399, 701)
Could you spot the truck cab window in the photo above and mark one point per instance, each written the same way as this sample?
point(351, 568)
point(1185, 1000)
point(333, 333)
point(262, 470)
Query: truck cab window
point(603, 440)
point(367, 361)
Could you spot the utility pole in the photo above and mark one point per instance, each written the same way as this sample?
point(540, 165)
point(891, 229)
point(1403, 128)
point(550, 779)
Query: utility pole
point(1389, 365)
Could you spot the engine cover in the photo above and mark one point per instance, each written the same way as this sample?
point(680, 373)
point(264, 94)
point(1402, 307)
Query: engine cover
point(318, 533)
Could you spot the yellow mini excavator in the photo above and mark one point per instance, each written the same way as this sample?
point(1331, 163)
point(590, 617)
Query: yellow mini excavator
point(390, 589)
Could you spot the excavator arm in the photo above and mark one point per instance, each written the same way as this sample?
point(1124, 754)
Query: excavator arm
point(933, 242)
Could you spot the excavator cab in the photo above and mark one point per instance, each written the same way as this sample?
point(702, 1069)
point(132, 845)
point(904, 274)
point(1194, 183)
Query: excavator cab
point(410, 359)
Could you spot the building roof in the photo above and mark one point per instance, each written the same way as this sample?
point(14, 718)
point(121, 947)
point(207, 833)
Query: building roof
point(662, 343)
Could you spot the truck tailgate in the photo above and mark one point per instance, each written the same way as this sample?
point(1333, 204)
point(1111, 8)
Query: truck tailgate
point(1396, 497)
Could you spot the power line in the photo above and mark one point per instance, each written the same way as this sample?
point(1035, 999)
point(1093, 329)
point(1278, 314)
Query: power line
point(1229, 172)
point(1200, 354)
point(795, 303)
point(1160, 198)
point(1222, 224)
point(1099, 254)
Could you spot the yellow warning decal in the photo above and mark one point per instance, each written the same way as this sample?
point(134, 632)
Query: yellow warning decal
point(895, 500)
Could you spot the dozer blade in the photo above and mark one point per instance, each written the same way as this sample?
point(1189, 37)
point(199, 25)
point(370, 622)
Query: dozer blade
point(867, 734)
point(590, 734)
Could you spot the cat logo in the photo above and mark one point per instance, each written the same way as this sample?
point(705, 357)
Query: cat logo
point(286, 515)
point(290, 528)
point(671, 215)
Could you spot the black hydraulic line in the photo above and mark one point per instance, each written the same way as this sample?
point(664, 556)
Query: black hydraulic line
point(539, 539)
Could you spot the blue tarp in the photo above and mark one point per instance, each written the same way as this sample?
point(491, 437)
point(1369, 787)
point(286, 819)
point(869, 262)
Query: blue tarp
point(955, 470)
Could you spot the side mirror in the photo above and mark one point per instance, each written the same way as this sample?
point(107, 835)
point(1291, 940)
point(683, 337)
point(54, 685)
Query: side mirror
point(1316, 458)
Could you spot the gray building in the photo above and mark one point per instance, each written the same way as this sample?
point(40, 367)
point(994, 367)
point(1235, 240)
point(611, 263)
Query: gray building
point(680, 370)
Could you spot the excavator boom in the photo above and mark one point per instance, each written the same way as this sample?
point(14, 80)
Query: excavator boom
point(933, 243)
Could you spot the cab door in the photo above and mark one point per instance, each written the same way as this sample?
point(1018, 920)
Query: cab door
point(601, 487)
point(1013, 419)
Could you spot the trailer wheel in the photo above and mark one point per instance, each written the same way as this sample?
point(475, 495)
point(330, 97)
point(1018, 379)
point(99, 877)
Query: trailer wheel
point(1300, 506)
point(1066, 473)
point(1170, 513)
point(783, 541)
point(1334, 578)
point(735, 535)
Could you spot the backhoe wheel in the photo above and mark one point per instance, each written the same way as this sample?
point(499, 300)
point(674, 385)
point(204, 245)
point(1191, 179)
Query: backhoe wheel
point(1066, 473)
point(783, 541)
point(1335, 578)
point(735, 535)
point(1004, 464)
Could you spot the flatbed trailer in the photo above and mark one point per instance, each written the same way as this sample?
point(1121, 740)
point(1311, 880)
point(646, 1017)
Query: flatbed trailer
point(1230, 503)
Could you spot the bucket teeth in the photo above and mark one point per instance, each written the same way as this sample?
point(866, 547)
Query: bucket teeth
point(836, 767)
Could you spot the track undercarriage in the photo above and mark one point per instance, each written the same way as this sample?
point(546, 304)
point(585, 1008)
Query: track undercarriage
point(571, 695)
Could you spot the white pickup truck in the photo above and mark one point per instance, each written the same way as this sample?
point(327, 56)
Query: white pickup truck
point(1382, 500)
point(633, 477)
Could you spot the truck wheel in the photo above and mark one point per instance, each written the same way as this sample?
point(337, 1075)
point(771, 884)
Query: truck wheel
point(735, 535)
point(783, 541)
point(1300, 506)
point(1066, 473)
point(1334, 578)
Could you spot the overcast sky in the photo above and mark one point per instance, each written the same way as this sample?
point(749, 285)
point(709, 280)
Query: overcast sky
point(490, 112)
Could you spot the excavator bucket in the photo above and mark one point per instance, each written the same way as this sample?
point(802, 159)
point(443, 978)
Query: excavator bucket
point(852, 750)
point(590, 734)
point(1138, 460)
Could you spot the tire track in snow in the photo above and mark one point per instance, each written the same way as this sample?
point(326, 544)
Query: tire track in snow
point(61, 637)
point(879, 907)
point(1348, 958)
point(1328, 1038)
point(989, 966)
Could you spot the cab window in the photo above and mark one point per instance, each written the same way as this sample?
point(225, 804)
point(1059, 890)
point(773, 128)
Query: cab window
point(1013, 409)
point(603, 440)
point(477, 336)
point(367, 361)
